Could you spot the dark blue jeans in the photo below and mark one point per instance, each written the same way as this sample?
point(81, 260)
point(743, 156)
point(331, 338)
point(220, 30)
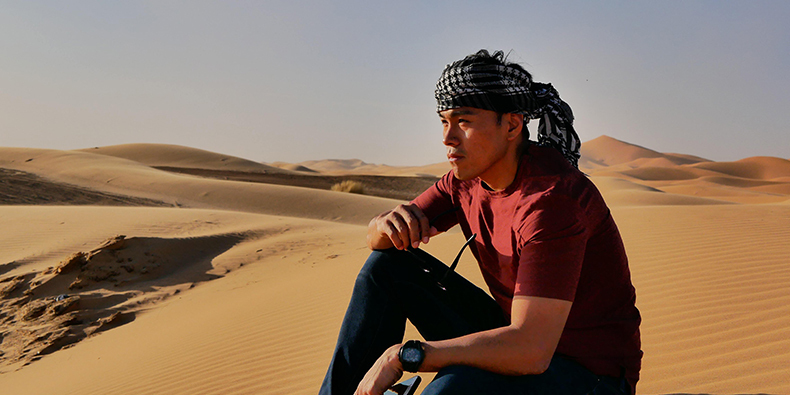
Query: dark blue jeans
point(394, 286)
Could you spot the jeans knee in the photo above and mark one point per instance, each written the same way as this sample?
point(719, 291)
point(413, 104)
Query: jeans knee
point(378, 267)
point(458, 380)
point(376, 260)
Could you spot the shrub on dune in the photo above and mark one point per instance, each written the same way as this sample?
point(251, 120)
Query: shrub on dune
point(349, 186)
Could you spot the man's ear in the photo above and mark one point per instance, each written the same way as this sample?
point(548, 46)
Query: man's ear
point(515, 125)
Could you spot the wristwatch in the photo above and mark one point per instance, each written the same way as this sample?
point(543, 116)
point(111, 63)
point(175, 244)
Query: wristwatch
point(411, 356)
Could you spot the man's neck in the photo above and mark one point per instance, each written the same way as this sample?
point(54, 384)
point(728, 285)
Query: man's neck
point(499, 178)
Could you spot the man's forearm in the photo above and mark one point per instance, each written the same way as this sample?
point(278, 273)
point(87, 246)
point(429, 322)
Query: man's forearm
point(524, 347)
point(503, 350)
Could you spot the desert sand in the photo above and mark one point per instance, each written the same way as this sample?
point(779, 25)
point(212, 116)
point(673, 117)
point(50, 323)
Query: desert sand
point(157, 269)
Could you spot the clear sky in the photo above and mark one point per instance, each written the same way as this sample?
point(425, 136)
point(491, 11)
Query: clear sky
point(297, 80)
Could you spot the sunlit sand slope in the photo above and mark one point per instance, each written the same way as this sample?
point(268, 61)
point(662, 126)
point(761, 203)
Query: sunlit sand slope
point(712, 285)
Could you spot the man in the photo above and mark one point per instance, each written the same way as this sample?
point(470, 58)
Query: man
point(562, 319)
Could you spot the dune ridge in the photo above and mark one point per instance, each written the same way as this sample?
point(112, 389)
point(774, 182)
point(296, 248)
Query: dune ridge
point(607, 151)
point(180, 156)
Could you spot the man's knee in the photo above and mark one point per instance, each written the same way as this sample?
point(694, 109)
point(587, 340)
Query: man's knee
point(381, 268)
point(377, 262)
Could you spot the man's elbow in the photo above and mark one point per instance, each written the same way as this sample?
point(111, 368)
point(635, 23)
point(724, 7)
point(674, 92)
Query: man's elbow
point(531, 367)
point(532, 363)
point(541, 365)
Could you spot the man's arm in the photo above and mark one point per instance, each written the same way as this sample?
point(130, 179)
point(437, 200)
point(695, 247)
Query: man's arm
point(405, 225)
point(526, 346)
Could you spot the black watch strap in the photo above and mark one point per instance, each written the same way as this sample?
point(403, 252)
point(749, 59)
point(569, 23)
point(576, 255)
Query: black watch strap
point(411, 355)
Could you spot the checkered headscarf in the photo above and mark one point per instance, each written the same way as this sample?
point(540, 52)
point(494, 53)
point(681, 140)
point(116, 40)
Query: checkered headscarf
point(506, 89)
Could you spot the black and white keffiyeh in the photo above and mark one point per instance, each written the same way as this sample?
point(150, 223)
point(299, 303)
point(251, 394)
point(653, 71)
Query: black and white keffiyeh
point(507, 89)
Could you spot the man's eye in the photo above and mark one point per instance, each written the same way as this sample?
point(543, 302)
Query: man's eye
point(462, 120)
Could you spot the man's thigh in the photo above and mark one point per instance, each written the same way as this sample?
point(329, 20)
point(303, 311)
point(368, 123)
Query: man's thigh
point(439, 311)
point(563, 377)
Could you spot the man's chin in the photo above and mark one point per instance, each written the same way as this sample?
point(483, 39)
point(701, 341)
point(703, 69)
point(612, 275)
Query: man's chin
point(461, 175)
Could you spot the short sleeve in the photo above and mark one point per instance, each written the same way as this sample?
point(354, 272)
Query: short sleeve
point(436, 202)
point(553, 238)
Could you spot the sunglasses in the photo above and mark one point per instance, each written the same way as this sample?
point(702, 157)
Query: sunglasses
point(427, 267)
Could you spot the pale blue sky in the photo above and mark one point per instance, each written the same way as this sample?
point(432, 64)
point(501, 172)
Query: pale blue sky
point(299, 80)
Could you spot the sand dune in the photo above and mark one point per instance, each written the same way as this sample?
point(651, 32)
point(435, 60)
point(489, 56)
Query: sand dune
point(238, 287)
point(622, 192)
point(606, 151)
point(164, 155)
point(293, 167)
point(356, 166)
point(764, 168)
point(125, 177)
point(661, 174)
point(751, 180)
point(777, 189)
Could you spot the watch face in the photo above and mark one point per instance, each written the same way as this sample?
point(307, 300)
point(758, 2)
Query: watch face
point(411, 355)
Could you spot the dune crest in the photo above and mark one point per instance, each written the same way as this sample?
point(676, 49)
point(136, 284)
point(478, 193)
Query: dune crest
point(608, 151)
point(166, 155)
point(761, 167)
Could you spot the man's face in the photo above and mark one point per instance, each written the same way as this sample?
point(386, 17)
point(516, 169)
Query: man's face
point(476, 143)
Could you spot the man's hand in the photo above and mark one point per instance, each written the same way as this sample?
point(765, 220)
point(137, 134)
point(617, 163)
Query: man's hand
point(404, 226)
point(384, 374)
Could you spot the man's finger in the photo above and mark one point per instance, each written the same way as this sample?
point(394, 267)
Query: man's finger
point(392, 233)
point(424, 234)
point(401, 230)
point(405, 223)
point(418, 225)
point(415, 233)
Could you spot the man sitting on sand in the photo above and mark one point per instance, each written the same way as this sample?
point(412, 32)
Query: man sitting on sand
point(562, 319)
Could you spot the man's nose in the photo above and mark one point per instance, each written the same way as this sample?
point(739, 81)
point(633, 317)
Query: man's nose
point(450, 135)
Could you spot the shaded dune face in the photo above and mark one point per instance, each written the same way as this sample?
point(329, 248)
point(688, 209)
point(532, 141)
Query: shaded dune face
point(92, 291)
point(23, 188)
